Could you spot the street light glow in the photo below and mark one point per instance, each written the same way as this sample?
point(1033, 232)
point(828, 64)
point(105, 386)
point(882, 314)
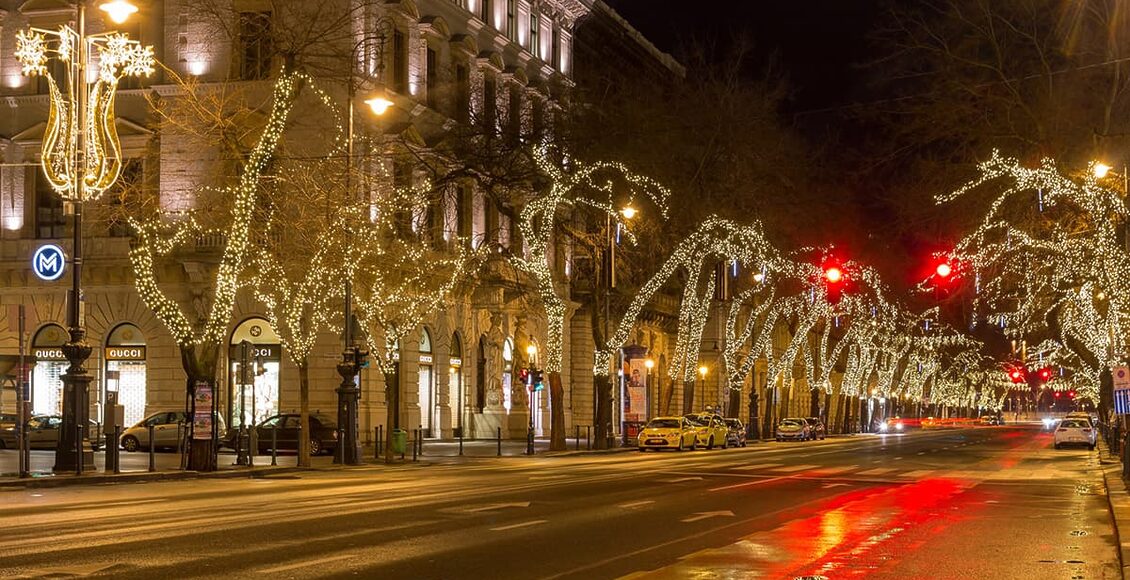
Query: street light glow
point(118, 10)
point(629, 212)
point(833, 274)
point(702, 371)
point(1101, 170)
point(379, 104)
point(944, 270)
point(649, 363)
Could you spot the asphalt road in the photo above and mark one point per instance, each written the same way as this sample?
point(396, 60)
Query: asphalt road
point(993, 502)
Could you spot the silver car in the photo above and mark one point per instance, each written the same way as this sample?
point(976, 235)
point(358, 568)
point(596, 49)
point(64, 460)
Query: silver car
point(793, 429)
point(169, 429)
point(43, 433)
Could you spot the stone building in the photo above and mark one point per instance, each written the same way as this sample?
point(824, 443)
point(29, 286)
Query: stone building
point(507, 63)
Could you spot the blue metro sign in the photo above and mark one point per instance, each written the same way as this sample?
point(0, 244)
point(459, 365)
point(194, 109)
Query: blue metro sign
point(48, 262)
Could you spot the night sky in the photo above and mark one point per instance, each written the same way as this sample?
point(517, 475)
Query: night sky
point(819, 43)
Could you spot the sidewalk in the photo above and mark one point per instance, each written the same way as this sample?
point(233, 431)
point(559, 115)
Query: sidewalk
point(434, 451)
point(1119, 498)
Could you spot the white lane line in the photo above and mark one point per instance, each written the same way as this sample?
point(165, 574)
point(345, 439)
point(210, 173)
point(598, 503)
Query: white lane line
point(521, 525)
point(877, 471)
point(498, 506)
point(706, 515)
point(897, 458)
point(305, 564)
point(681, 479)
point(752, 483)
point(636, 504)
point(922, 453)
point(758, 466)
point(835, 470)
point(795, 468)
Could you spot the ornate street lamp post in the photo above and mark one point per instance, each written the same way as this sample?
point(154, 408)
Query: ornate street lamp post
point(81, 159)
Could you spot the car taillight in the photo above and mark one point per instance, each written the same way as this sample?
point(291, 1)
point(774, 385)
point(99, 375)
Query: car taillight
point(1062, 430)
point(1086, 430)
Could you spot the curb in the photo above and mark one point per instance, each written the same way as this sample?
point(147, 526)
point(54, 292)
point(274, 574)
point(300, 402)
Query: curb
point(1118, 502)
point(50, 481)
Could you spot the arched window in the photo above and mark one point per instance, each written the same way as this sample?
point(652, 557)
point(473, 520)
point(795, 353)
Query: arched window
point(255, 393)
point(507, 373)
point(455, 382)
point(50, 364)
point(429, 404)
point(125, 370)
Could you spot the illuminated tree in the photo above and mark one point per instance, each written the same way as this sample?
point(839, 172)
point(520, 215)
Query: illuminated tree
point(200, 332)
point(399, 280)
point(1047, 260)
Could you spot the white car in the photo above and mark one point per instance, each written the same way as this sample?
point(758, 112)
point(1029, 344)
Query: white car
point(1075, 432)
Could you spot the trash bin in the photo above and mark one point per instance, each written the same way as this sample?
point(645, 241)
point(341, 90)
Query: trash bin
point(399, 440)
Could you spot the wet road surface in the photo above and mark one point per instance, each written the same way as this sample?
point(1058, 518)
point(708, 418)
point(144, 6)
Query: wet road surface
point(992, 502)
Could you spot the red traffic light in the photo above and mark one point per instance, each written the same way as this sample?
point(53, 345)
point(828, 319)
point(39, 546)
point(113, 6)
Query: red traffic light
point(833, 275)
point(1071, 394)
point(1057, 394)
point(1017, 375)
point(1045, 374)
point(943, 270)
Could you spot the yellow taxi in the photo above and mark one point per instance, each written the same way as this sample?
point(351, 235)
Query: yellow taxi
point(711, 429)
point(667, 433)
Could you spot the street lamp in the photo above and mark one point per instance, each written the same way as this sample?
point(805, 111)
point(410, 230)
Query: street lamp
point(349, 393)
point(531, 360)
point(81, 159)
point(649, 364)
point(628, 212)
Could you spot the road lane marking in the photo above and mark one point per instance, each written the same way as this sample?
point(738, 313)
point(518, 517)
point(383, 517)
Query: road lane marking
point(795, 468)
point(877, 471)
point(497, 506)
point(919, 473)
point(835, 470)
point(758, 466)
point(752, 483)
point(635, 504)
point(305, 564)
point(707, 515)
point(516, 526)
point(681, 479)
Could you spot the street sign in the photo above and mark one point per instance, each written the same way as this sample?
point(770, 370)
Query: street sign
point(48, 261)
point(1121, 377)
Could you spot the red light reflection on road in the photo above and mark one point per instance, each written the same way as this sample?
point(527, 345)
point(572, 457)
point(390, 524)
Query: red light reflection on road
point(856, 533)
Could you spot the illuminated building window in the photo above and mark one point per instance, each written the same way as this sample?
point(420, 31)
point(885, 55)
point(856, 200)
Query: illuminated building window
point(50, 221)
point(255, 46)
point(535, 20)
point(399, 62)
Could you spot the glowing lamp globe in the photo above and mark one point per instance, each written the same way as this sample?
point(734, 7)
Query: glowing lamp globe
point(833, 274)
point(944, 270)
point(118, 10)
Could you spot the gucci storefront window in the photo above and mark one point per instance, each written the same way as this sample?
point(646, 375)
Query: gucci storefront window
point(125, 370)
point(50, 364)
point(253, 396)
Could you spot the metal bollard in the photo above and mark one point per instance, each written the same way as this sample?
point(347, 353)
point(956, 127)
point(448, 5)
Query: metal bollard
point(576, 437)
point(275, 444)
point(588, 442)
point(420, 439)
point(117, 450)
point(500, 441)
point(152, 450)
point(78, 450)
point(461, 441)
point(414, 442)
point(377, 442)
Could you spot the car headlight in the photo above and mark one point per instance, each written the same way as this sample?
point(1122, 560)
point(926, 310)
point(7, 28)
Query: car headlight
point(898, 426)
point(884, 427)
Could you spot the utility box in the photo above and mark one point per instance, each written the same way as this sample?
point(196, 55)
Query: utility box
point(113, 414)
point(399, 441)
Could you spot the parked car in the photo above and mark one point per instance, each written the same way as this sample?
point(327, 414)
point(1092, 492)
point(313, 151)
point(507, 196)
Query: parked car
point(1074, 432)
point(168, 430)
point(987, 420)
point(323, 433)
point(735, 432)
point(816, 428)
point(710, 428)
point(668, 433)
point(1081, 415)
point(793, 428)
point(43, 433)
